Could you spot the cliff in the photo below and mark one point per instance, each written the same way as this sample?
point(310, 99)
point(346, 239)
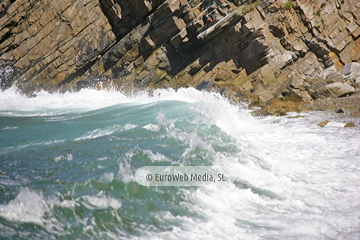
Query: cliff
point(252, 50)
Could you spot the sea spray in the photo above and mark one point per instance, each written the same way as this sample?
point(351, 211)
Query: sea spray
point(69, 161)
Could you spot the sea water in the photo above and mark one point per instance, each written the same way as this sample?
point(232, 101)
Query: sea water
point(68, 164)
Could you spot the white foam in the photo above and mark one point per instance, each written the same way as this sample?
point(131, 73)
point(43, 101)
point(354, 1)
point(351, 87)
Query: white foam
point(294, 174)
point(294, 179)
point(155, 157)
point(304, 167)
point(8, 128)
point(100, 201)
point(129, 126)
point(52, 103)
point(152, 127)
point(47, 104)
point(100, 132)
point(28, 206)
point(107, 177)
point(68, 157)
point(16, 148)
point(102, 159)
point(97, 133)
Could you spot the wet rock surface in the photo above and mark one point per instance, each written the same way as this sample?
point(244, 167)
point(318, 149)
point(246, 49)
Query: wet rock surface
point(350, 124)
point(324, 123)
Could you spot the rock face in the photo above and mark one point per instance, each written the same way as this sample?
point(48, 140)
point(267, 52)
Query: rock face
point(260, 50)
point(49, 42)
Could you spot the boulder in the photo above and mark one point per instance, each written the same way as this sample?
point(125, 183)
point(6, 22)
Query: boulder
point(297, 90)
point(317, 84)
point(352, 70)
point(340, 89)
point(350, 124)
point(334, 90)
point(208, 86)
point(323, 124)
point(334, 77)
point(340, 111)
point(328, 71)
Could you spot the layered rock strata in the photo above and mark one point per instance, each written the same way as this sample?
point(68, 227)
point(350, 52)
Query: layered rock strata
point(252, 50)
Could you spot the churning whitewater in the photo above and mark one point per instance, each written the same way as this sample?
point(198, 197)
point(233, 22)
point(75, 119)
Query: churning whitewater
point(68, 164)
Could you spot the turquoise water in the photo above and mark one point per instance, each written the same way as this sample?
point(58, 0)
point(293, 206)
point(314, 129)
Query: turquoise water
point(68, 163)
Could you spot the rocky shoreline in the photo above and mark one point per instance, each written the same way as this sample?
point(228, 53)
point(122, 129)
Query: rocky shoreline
point(336, 92)
point(280, 55)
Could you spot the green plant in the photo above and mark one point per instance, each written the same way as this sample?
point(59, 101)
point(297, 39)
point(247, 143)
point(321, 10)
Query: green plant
point(318, 13)
point(247, 9)
point(288, 5)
